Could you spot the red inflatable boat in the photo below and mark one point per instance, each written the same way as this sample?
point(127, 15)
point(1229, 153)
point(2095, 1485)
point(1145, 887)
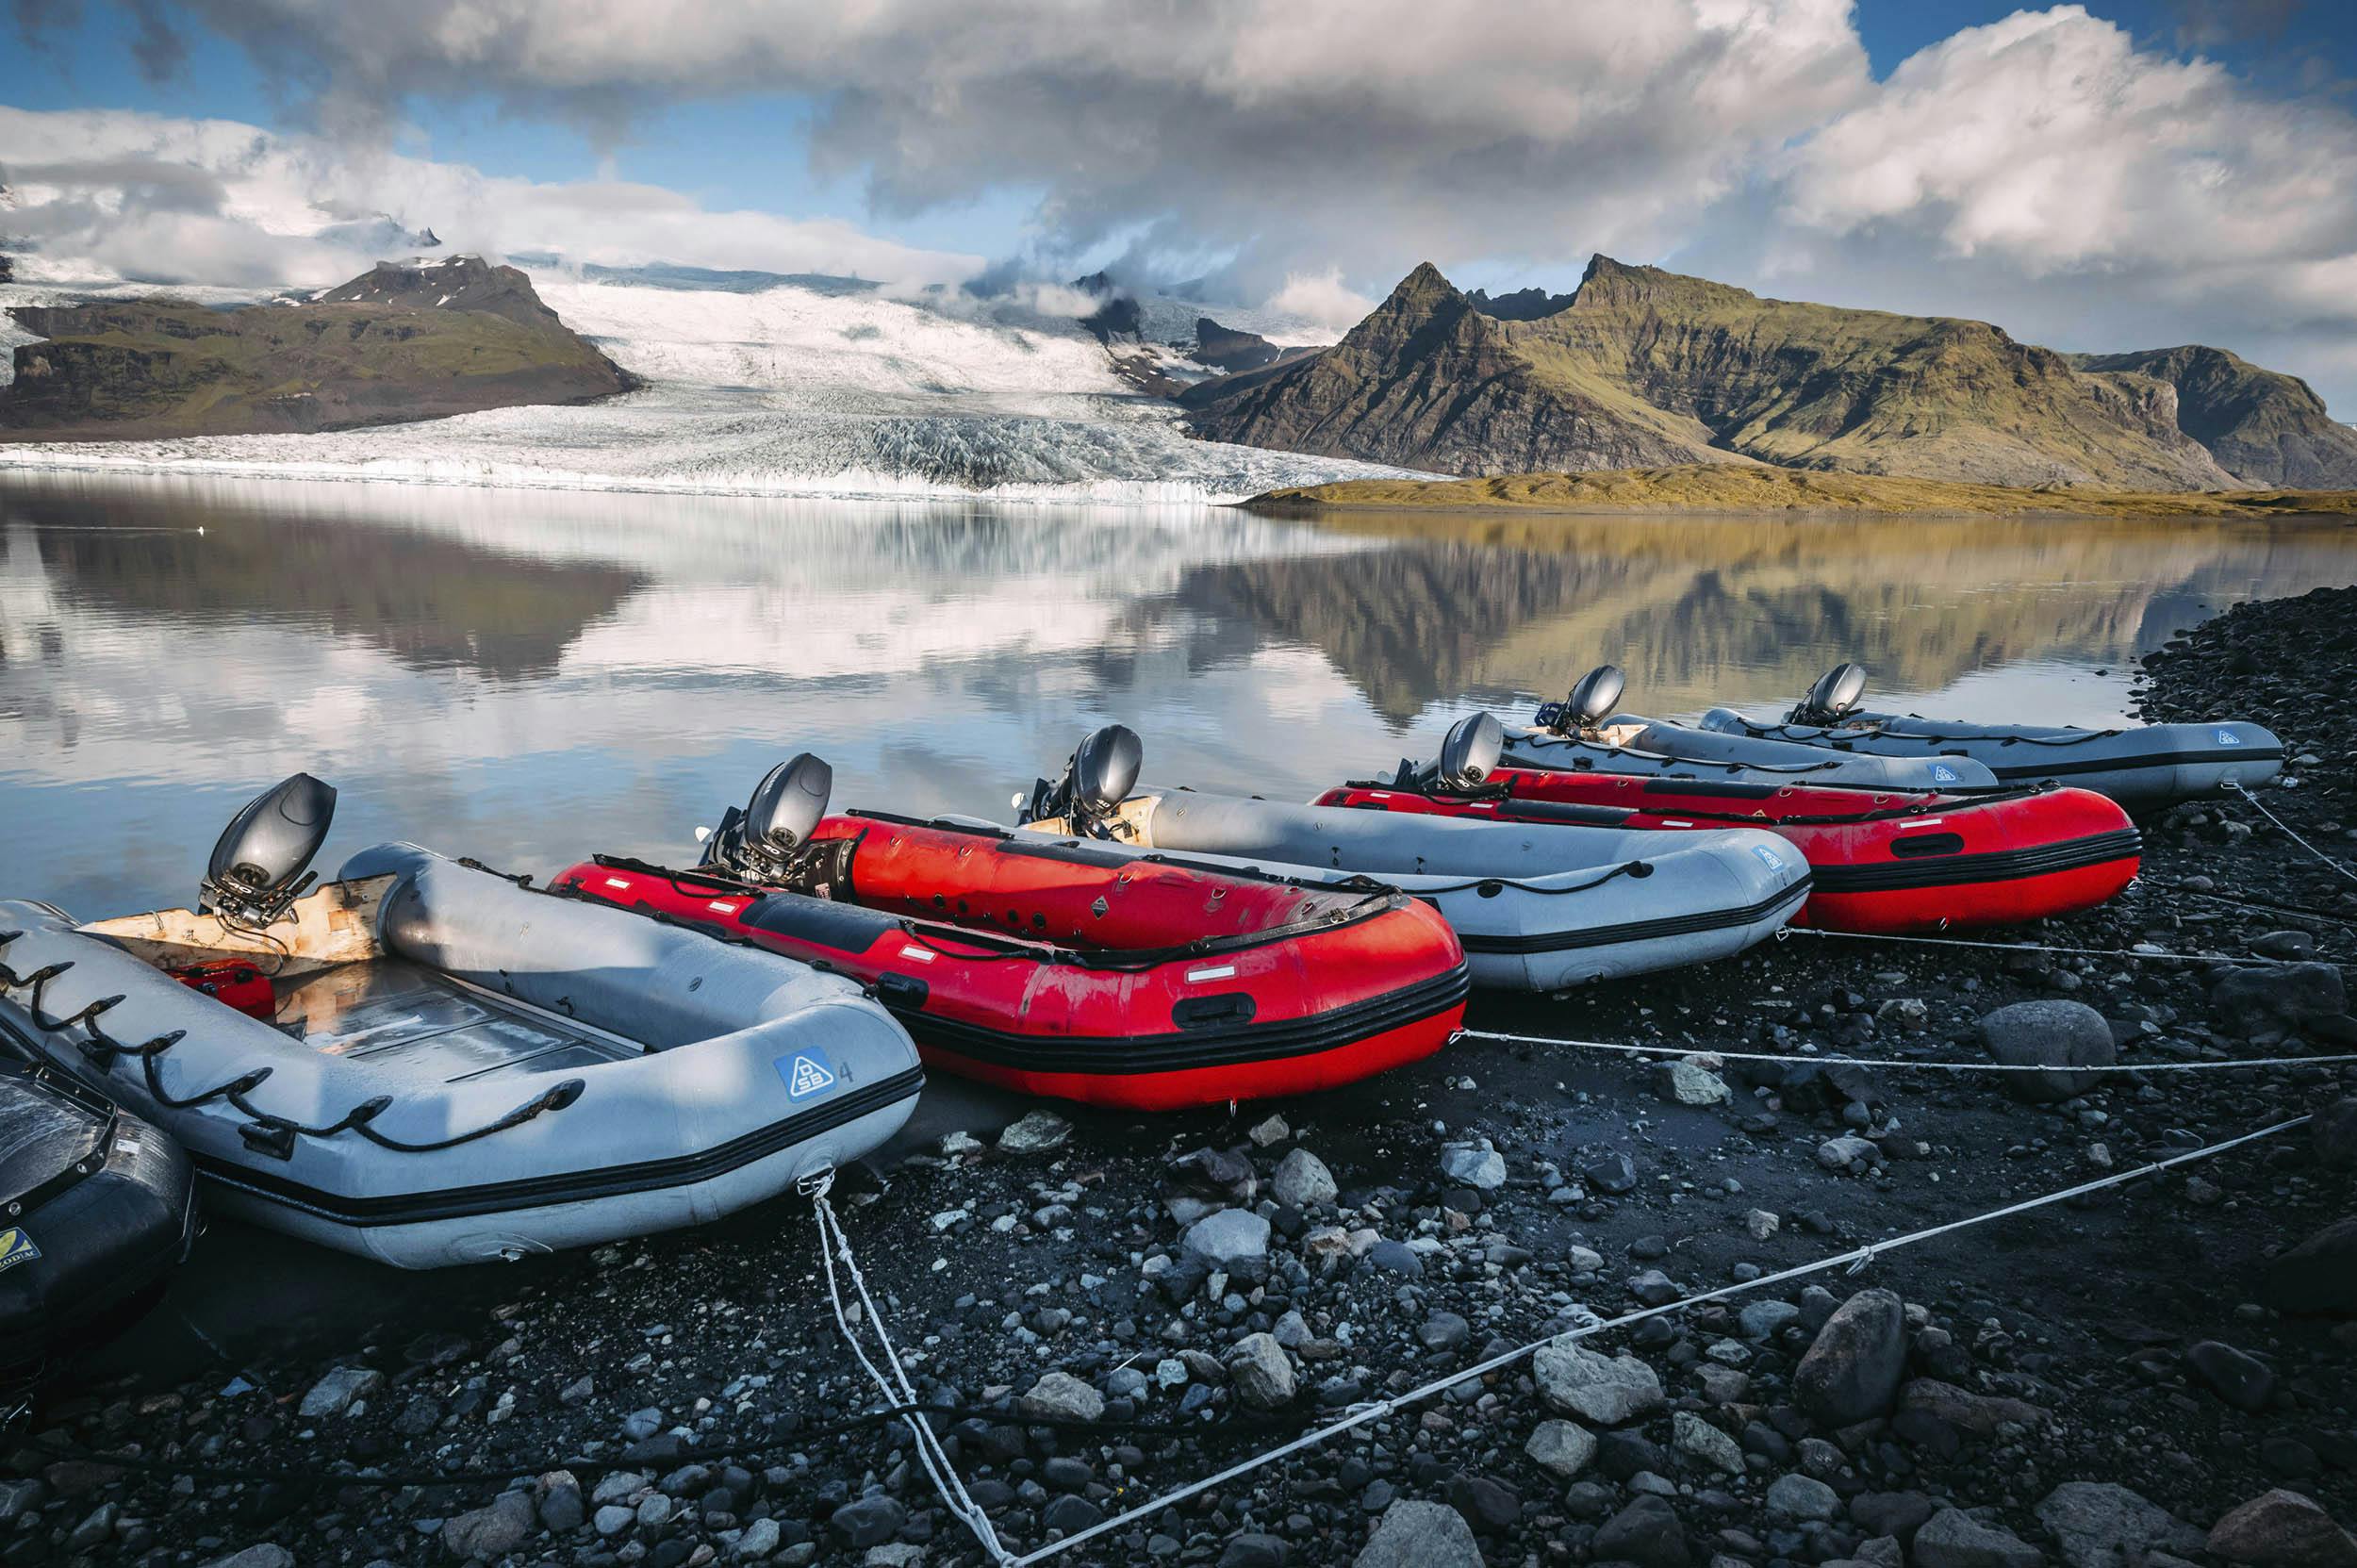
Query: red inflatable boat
point(1881, 860)
point(1076, 970)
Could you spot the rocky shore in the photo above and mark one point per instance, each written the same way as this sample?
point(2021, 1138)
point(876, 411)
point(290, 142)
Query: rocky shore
point(1103, 1308)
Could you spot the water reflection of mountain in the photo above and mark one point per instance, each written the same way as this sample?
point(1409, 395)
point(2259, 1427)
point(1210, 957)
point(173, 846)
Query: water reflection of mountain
point(1700, 610)
point(430, 602)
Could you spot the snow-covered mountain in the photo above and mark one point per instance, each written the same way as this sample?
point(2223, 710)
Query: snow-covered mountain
point(803, 387)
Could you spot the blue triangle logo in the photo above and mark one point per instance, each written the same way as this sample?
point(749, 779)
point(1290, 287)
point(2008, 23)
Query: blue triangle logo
point(808, 1076)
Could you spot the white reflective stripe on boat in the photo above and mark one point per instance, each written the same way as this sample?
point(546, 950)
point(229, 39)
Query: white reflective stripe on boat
point(920, 955)
point(1218, 971)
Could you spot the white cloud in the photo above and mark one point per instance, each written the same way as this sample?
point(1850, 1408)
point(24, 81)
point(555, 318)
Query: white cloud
point(104, 192)
point(1322, 299)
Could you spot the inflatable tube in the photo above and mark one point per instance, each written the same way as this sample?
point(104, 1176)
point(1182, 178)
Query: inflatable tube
point(2144, 767)
point(1537, 908)
point(1079, 972)
point(1880, 862)
point(96, 1209)
point(461, 1068)
point(1648, 746)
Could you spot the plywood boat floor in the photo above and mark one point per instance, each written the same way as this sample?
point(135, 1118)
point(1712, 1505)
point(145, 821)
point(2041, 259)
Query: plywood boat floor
point(392, 1014)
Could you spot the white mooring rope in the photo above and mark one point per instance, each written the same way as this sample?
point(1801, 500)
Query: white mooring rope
point(2262, 811)
point(944, 1474)
point(896, 1388)
point(1898, 1064)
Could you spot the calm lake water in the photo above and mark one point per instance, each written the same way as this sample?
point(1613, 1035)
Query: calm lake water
point(529, 677)
point(526, 677)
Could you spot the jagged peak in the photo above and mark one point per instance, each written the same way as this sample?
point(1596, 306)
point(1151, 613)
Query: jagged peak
point(1608, 284)
point(1421, 287)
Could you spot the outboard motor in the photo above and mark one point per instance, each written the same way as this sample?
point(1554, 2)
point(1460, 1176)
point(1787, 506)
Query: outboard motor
point(258, 866)
point(1589, 705)
point(1102, 771)
point(1831, 699)
point(768, 841)
point(1470, 755)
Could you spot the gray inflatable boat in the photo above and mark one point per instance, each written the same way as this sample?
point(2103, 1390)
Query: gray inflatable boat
point(2143, 767)
point(1582, 734)
point(427, 1063)
point(1538, 907)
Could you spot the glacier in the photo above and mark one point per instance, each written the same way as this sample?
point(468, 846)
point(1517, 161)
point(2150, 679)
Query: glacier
point(791, 391)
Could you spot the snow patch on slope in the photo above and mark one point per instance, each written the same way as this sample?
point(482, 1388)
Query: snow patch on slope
point(788, 391)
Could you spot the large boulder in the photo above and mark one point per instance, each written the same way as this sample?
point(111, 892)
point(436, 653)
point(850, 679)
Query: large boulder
point(2282, 1529)
point(2320, 1275)
point(1061, 1396)
point(1605, 1390)
point(2098, 1525)
point(1953, 1539)
point(1420, 1535)
point(2277, 998)
point(1852, 1371)
point(2055, 1034)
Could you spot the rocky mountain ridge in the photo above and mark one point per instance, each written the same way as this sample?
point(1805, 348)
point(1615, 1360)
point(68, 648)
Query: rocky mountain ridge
point(402, 341)
point(1644, 368)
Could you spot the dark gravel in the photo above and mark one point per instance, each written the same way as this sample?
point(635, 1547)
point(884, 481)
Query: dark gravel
point(2135, 1338)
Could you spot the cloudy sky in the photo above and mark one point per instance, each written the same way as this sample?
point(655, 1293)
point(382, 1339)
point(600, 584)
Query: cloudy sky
point(2123, 174)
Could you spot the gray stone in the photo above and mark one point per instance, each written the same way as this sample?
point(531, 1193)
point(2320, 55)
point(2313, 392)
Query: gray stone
point(556, 1495)
point(2278, 997)
point(1444, 1331)
point(1761, 1319)
point(1302, 1180)
point(1261, 1372)
point(613, 1519)
point(868, 1521)
point(1475, 1166)
point(267, 1554)
point(19, 1497)
point(1851, 1371)
point(1683, 1083)
point(2242, 1380)
point(1647, 1533)
point(492, 1531)
point(1035, 1132)
point(2282, 1529)
point(655, 1509)
point(2333, 1134)
point(1845, 1151)
point(2050, 1033)
point(1420, 1535)
point(894, 1554)
point(1952, 1539)
point(1802, 1497)
point(760, 1539)
point(1981, 1414)
point(1253, 1550)
point(619, 1486)
point(2098, 1525)
point(1690, 1434)
point(1561, 1449)
point(97, 1526)
point(1228, 1235)
point(1605, 1390)
point(1061, 1396)
point(335, 1393)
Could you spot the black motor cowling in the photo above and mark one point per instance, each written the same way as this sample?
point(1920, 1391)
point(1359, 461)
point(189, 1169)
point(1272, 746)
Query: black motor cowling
point(1837, 692)
point(258, 866)
point(1102, 771)
point(766, 841)
point(1590, 703)
point(1471, 753)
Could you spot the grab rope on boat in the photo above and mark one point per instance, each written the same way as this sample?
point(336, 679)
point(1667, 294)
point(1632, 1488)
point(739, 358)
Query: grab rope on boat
point(1899, 1064)
point(895, 1387)
point(2236, 787)
point(265, 1132)
point(1851, 1261)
